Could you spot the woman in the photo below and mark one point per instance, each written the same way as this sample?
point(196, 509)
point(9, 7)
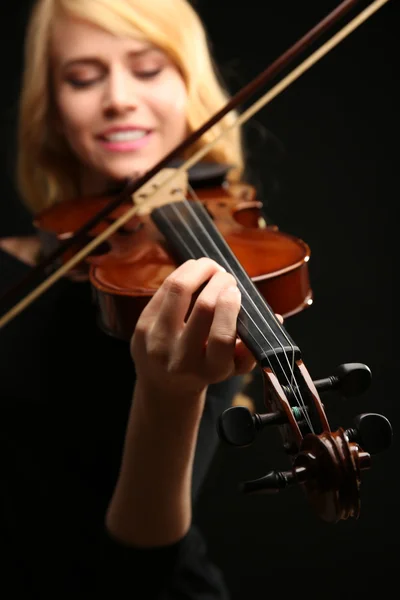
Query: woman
point(104, 457)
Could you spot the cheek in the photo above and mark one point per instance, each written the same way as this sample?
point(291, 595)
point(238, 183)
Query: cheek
point(169, 103)
point(75, 114)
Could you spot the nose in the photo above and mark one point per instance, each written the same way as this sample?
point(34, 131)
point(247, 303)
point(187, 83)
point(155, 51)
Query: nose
point(120, 95)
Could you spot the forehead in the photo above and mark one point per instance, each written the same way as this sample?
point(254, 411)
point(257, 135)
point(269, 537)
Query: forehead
point(73, 39)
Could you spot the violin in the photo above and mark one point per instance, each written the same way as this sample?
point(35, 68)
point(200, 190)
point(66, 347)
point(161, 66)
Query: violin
point(129, 245)
point(127, 270)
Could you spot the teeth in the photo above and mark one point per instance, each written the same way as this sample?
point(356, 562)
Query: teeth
point(125, 136)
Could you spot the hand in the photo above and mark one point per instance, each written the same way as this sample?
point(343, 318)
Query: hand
point(25, 248)
point(180, 347)
point(183, 341)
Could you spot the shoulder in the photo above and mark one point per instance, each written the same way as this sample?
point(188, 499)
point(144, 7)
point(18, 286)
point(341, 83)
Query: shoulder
point(26, 248)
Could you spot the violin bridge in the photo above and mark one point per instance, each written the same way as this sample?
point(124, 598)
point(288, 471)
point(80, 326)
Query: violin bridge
point(165, 187)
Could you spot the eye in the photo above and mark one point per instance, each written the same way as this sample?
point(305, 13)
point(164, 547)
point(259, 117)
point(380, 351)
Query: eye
point(148, 74)
point(81, 83)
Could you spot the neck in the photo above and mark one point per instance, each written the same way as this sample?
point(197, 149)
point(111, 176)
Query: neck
point(191, 233)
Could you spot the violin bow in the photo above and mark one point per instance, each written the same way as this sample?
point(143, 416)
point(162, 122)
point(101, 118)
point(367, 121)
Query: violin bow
point(133, 186)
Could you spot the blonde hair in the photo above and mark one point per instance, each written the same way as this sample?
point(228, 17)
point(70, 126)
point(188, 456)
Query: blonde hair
point(47, 169)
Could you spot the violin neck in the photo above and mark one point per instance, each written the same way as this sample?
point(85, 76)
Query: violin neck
point(191, 234)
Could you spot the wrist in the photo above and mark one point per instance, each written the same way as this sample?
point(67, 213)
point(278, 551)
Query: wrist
point(169, 401)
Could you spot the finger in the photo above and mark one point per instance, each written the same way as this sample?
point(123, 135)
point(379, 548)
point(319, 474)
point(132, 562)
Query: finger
point(244, 359)
point(280, 318)
point(153, 307)
point(197, 328)
point(177, 292)
point(222, 338)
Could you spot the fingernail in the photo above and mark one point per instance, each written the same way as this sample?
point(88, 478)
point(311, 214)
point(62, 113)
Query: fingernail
point(233, 289)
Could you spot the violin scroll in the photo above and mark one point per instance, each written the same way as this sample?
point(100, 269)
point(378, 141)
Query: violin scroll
point(327, 465)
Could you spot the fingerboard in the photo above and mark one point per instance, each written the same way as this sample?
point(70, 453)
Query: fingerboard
point(191, 234)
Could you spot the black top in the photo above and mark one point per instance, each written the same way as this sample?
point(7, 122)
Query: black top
point(65, 393)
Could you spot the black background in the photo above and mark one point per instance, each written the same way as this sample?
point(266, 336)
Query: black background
point(324, 156)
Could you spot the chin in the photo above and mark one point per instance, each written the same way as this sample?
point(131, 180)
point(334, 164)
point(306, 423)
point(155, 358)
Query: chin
point(132, 169)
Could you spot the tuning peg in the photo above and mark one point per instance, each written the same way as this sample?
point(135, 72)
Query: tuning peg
point(372, 432)
point(273, 482)
point(350, 379)
point(237, 426)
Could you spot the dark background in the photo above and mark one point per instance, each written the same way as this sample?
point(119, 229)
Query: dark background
point(324, 156)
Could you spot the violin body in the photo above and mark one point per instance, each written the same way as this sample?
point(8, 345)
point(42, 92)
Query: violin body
point(126, 271)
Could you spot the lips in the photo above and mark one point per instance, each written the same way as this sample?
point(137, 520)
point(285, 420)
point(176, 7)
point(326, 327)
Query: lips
point(125, 139)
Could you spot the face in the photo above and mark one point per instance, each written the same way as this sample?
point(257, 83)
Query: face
point(120, 102)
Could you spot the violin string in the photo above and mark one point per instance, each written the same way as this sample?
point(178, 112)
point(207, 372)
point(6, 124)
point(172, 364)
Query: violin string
point(240, 267)
point(294, 388)
point(300, 401)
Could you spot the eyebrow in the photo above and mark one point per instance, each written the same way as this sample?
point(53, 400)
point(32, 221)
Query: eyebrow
point(96, 60)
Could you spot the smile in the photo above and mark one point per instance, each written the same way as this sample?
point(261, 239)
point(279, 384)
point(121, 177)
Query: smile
point(125, 141)
point(125, 136)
